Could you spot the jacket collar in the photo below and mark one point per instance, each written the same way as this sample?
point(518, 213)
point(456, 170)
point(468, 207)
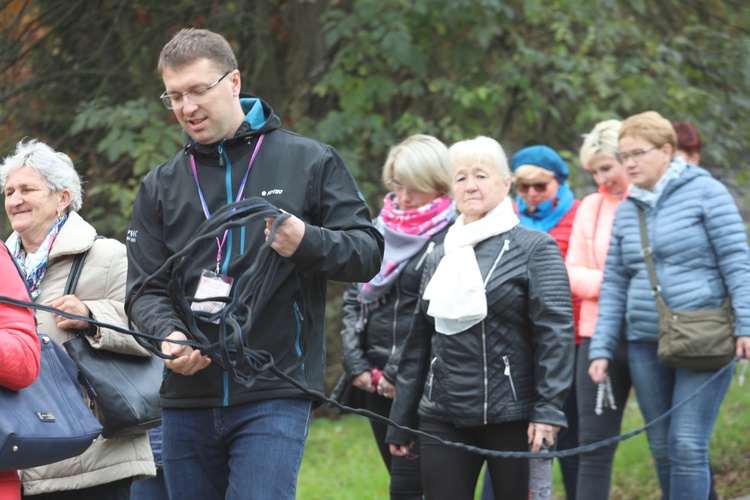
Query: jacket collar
point(76, 236)
point(259, 119)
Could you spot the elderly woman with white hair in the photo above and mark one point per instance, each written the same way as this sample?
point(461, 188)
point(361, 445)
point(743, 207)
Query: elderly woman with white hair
point(42, 195)
point(488, 360)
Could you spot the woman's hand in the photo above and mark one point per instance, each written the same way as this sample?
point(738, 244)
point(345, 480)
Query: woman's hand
point(401, 450)
point(386, 389)
point(743, 347)
point(539, 434)
point(598, 370)
point(189, 361)
point(72, 305)
point(363, 381)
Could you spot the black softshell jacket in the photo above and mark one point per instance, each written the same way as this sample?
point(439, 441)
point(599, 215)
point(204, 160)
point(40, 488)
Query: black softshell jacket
point(299, 175)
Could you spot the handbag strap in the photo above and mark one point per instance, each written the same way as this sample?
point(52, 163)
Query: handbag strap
point(75, 273)
point(72, 283)
point(75, 270)
point(648, 253)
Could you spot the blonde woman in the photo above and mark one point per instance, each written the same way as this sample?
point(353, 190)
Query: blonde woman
point(415, 217)
point(600, 408)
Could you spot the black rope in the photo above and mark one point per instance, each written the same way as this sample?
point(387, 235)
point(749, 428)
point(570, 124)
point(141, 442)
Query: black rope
point(247, 297)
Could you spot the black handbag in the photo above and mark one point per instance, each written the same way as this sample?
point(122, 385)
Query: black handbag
point(699, 340)
point(48, 421)
point(124, 387)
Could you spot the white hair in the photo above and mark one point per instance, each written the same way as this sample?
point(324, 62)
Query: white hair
point(56, 168)
point(483, 150)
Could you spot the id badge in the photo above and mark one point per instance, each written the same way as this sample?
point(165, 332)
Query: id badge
point(211, 285)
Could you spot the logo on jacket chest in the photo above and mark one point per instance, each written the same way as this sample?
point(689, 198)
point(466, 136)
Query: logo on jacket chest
point(271, 192)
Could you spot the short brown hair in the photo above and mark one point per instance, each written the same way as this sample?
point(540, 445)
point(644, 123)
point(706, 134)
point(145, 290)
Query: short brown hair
point(651, 126)
point(688, 139)
point(191, 44)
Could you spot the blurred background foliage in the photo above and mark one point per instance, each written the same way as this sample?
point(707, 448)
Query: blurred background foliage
point(363, 74)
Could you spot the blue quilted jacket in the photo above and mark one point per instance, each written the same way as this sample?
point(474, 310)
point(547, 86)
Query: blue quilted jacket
point(700, 252)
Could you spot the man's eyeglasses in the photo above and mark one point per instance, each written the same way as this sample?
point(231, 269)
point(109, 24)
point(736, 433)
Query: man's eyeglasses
point(176, 100)
point(634, 155)
point(400, 188)
point(539, 187)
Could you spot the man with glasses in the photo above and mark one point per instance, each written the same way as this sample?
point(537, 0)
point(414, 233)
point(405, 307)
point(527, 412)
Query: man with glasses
point(223, 439)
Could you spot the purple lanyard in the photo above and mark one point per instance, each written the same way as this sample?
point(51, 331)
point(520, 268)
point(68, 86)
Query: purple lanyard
point(220, 243)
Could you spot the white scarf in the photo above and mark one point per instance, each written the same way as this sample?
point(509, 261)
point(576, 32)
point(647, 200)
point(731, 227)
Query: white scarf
point(456, 291)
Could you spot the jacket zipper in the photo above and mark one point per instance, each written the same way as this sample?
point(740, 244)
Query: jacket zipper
point(298, 339)
point(510, 377)
point(225, 267)
point(432, 376)
point(430, 247)
point(395, 317)
point(485, 376)
point(485, 368)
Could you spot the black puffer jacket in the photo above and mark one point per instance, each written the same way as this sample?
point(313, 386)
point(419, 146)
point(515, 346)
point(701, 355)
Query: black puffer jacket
point(517, 364)
point(386, 326)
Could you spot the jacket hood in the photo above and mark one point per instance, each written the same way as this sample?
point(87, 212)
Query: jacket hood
point(259, 119)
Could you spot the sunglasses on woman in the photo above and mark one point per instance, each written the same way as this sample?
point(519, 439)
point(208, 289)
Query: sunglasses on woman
point(539, 187)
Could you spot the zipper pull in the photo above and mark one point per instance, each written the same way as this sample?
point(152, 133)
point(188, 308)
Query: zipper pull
point(506, 372)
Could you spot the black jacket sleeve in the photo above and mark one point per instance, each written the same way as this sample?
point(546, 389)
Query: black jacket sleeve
point(353, 356)
point(342, 243)
point(152, 312)
point(413, 365)
point(553, 333)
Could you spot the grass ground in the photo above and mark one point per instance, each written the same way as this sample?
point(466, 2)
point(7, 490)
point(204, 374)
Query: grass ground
point(341, 461)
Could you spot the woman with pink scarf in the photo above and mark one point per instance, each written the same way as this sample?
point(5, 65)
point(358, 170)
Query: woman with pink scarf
point(415, 217)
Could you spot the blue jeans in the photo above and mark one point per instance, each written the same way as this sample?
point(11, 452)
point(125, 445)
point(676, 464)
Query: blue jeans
point(679, 444)
point(251, 451)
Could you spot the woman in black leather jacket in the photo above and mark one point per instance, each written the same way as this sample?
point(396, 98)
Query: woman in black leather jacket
point(377, 315)
point(489, 358)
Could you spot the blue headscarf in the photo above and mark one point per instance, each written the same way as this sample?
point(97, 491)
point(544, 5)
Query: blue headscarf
point(548, 214)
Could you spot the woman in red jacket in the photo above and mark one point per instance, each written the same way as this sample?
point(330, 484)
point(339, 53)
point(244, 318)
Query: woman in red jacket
point(546, 203)
point(19, 350)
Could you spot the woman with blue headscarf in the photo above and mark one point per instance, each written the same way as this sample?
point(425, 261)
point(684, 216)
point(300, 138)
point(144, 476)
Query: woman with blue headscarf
point(546, 203)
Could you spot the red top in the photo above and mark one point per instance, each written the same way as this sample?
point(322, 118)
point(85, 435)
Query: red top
point(19, 349)
point(561, 233)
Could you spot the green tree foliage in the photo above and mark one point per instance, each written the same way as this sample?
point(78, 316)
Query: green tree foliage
point(363, 74)
point(532, 71)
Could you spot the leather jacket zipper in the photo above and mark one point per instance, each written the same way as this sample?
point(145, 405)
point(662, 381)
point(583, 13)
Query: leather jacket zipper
point(430, 248)
point(395, 317)
point(485, 407)
point(432, 376)
point(510, 377)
